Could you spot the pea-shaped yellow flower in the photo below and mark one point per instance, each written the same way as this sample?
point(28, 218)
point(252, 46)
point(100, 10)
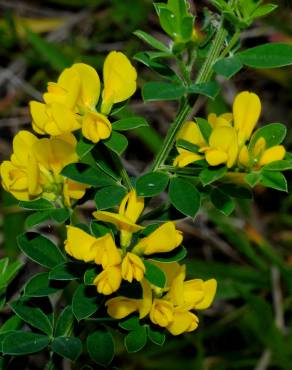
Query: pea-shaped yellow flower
point(109, 280)
point(164, 239)
point(70, 103)
point(223, 147)
point(259, 155)
point(161, 312)
point(246, 112)
point(132, 267)
point(125, 220)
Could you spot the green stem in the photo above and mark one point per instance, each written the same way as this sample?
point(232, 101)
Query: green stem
point(230, 45)
point(122, 171)
point(204, 75)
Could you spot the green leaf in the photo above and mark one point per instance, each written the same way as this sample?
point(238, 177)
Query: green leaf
point(152, 41)
point(8, 272)
point(33, 316)
point(283, 165)
point(184, 196)
point(49, 51)
point(205, 128)
point(36, 218)
point(177, 254)
point(153, 91)
point(101, 347)
point(270, 55)
point(136, 339)
point(40, 249)
point(180, 143)
point(65, 322)
point(13, 323)
point(37, 205)
point(133, 323)
point(151, 184)
point(40, 286)
point(236, 191)
point(157, 66)
point(154, 274)
point(67, 271)
point(84, 302)
point(109, 196)
point(23, 343)
point(253, 178)
point(228, 67)
point(84, 147)
point(156, 336)
point(90, 275)
point(274, 180)
point(59, 215)
point(263, 10)
point(208, 175)
point(86, 174)
point(222, 201)
point(116, 143)
point(129, 123)
point(209, 89)
point(68, 347)
point(273, 133)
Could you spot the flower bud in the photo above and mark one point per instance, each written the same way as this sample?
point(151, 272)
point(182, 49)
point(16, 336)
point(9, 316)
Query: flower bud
point(109, 280)
point(132, 267)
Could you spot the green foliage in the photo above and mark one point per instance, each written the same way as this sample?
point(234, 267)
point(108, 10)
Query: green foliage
point(101, 347)
point(184, 196)
point(136, 339)
point(40, 249)
point(154, 274)
point(152, 184)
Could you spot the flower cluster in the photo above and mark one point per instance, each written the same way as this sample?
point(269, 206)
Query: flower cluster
point(168, 307)
point(172, 306)
point(230, 141)
point(70, 103)
point(35, 166)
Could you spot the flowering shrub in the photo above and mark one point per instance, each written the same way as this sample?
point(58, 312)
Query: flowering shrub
point(123, 268)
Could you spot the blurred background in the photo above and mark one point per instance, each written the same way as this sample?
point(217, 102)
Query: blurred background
point(249, 253)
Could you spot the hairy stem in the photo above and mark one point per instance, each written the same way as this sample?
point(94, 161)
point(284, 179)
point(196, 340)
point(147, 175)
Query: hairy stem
point(204, 75)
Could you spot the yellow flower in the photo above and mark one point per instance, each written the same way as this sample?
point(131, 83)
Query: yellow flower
point(35, 167)
point(107, 252)
point(87, 248)
point(21, 176)
point(80, 245)
point(198, 293)
point(55, 153)
point(120, 307)
point(53, 119)
point(72, 190)
point(223, 147)
point(20, 182)
point(96, 127)
point(161, 312)
point(70, 102)
point(129, 211)
point(119, 78)
point(77, 87)
point(246, 112)
point(189, 132)
point(259, 155)
point(183, 321)
point(223, 120)
point(132, 267)
point(109, 280)
point(164, 239)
